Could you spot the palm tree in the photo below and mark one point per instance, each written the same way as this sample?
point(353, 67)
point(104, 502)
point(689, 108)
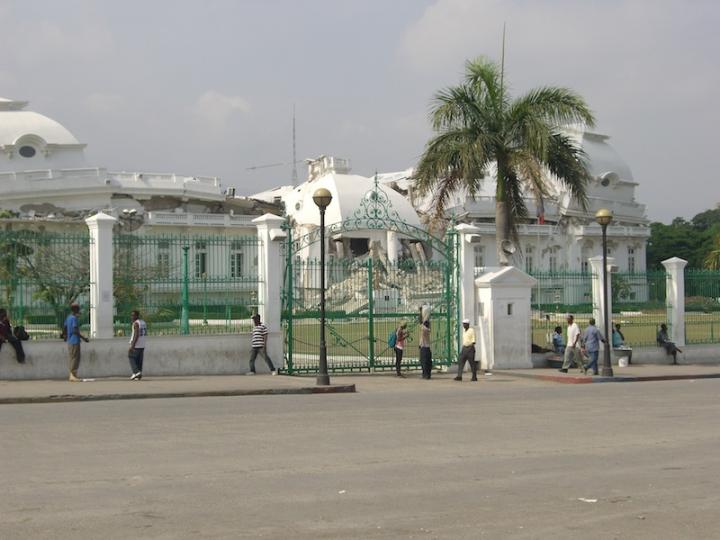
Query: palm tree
point(477, 124)
point(712, 259)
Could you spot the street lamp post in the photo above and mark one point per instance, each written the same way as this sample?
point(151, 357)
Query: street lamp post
point(604, 217)
point(322, 198)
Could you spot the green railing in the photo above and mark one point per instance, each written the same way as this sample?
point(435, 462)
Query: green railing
point(365, 300)
point(702, 306)
point(638, 301)
point(186, 284)
point(41, 274)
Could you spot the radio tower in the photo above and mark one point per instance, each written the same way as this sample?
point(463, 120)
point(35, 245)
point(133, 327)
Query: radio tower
point(294, 157)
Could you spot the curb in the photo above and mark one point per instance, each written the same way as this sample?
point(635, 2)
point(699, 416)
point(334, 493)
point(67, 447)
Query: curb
point(584, 379)
point(66, 398)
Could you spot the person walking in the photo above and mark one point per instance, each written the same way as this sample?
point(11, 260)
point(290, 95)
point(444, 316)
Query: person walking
point(71, 331)
point(259, 345)
point(467, 354)
point(401, 334)
point(591, 342)
point(572, 350)
point(136, 351)
point(425, 352)
point(7, 336)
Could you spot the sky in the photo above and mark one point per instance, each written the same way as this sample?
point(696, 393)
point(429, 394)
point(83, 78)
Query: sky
point(208, 88)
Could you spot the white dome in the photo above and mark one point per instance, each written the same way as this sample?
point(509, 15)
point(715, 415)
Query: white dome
point(16, 123)
point(348, 191)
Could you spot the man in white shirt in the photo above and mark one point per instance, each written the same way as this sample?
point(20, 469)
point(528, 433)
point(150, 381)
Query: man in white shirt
point(572, 351)
point(468, 351)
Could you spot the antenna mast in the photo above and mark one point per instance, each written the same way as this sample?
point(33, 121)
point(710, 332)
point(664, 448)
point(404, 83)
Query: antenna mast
point(294, 155)
point(502, 64)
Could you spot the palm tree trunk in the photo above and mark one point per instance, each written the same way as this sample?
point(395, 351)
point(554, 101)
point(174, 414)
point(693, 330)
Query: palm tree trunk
point(502, 231)
point(502, 215)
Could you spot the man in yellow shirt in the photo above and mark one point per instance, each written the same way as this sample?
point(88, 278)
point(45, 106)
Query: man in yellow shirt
point(468, 351)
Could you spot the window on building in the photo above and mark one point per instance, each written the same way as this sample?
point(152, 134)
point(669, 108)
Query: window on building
point(200, 259)
point(27, 151)
point(585, 267)
point(529, 261)
point(163, 259)
point(479, 252)
point(631, 260)
point(553, 260)
point(236, 263)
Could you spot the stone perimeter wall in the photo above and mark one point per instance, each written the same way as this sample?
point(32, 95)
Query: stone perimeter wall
point(164, 356)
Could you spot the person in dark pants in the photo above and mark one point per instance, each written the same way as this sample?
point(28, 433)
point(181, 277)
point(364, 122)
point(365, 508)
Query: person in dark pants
point(663, 339)
point(259, 345)
point(467, 354)
point(7, 336)
point(136, 351)
point(425, 352)
point(401, 335)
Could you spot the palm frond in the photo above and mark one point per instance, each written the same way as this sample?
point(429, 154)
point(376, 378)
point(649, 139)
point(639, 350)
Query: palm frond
point(568, 163)
point(557, 106)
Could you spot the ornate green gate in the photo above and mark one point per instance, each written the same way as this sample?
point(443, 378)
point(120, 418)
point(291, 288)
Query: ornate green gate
point(367, 297)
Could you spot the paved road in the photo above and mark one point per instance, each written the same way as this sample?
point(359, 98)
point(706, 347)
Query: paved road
point(503, 458)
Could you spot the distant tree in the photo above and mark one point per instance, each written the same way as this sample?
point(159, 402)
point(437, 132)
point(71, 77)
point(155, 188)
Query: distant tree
point(712, 259)
point(478, 125)
point(693, 240)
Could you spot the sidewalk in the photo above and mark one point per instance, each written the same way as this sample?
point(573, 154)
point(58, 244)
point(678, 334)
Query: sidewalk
point(632, 373)
point(55, 391)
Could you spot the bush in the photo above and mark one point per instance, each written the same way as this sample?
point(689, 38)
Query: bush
point(701, 303)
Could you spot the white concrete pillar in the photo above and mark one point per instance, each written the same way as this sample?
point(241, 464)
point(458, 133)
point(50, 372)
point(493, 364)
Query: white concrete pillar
point(504, 323)
point(270, 269)
point(101, 275)
point(675, 298)
point(466, 260)
point(393, 245)
point(596, 266)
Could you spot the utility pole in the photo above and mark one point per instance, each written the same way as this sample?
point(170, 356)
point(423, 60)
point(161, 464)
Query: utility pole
point(294, 155)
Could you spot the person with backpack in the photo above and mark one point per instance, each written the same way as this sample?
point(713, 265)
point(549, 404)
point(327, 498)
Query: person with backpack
point(7, 336)
point(397, 342)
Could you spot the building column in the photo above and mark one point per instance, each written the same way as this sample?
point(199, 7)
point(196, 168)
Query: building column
point(270, 269)
point(101, 275)
point(675, 298)
point(392, 247)
point(596, 267)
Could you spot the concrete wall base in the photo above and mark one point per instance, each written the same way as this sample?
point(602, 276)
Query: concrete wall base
point(164, 356)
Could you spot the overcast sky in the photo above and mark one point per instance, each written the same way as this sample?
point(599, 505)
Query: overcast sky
point(207, 87)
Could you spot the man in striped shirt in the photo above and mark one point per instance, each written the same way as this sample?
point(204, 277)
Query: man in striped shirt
point(259, 345)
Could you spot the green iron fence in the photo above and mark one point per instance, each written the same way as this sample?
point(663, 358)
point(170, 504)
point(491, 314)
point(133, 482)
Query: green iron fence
point(186, 284)
point(365, 301)
point(41, 274)
point(638, 301)
point(702, 306)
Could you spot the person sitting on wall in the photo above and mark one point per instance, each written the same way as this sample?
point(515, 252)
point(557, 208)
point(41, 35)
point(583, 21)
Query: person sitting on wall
point(557, 340)
point(664, 341)
point(7, 336)
point(618, 342)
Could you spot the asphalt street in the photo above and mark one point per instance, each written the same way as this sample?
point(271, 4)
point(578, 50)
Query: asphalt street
point(502, 458)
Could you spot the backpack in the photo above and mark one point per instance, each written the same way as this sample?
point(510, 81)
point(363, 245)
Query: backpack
point(392, 339)
point(20, 333)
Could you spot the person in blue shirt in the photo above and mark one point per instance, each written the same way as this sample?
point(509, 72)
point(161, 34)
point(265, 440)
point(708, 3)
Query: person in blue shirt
point(557, 340)
point(71, 331)
point(591, 342)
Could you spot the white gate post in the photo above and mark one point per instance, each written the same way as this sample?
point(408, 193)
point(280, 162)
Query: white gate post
point(596, 264)
point(675, 298)
point(466, 260)
point(270, 270)
point(101, 275)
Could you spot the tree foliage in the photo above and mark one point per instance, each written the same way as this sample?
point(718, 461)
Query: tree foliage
point(697, 241)
point(479, 126)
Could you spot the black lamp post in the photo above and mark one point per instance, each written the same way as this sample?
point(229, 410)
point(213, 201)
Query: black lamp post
point(604, 217)
point(322, 198)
